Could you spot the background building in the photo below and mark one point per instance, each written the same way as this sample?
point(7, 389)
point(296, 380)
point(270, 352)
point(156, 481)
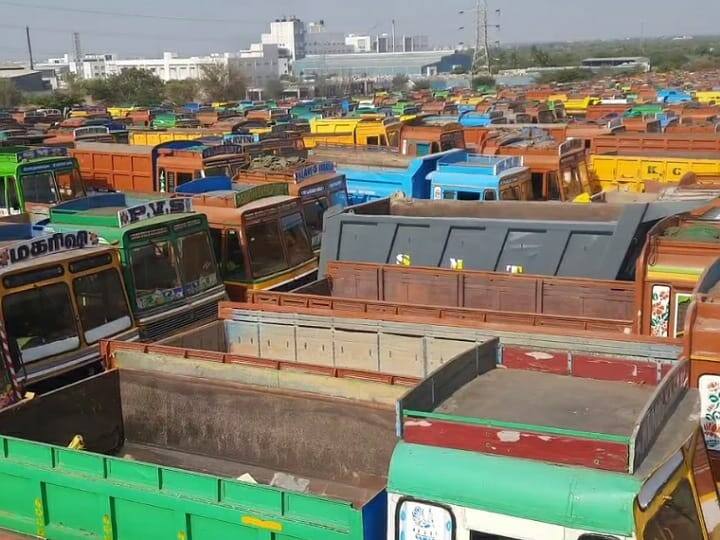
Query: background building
point(358, 44)
point(287, 34)
point(170, 67)
point(260, 63)
point(318, 40)
point(25, 80)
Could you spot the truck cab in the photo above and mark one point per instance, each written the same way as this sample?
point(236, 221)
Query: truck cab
point(169, 266)
point(34, 179)
point(258, 234)
point(61, 293)
point(472, 177)
point(317, 183)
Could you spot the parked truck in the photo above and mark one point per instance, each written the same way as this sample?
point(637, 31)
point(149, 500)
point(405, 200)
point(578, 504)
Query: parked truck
point(168, 262)
point(259, 234)
point(60, 294)
point(160, 168)
point(34, 179)
point(562, 239)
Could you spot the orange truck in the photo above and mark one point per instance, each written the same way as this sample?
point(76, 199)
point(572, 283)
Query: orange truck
point(161, 168)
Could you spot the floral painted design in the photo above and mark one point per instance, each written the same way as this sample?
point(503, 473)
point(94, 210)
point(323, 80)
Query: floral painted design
point(660, 311)
point(710, 410)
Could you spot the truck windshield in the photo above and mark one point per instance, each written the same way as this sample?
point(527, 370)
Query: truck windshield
point(571, 183)
point(102, 305)
point(313, 211)
point(677, 517)
point(40, 188)
point(265, 248)
point(70, 184)
point(339, 198)
point(155, 273)
point(296, 239)
point(197, 263)
point(41, 322)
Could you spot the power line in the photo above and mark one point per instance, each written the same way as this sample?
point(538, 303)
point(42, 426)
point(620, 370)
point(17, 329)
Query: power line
point(131, 15)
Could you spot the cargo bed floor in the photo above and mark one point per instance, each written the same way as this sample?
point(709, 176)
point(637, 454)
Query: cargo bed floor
point(357, 494)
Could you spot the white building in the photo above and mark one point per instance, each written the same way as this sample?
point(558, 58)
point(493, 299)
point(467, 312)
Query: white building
point(170, 67)
point(287, 34)
point(92, 66)
point(318, 40)
point(359, 44)
point(260, 63)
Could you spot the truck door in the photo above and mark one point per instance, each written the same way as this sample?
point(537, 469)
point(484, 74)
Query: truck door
point(10, 203)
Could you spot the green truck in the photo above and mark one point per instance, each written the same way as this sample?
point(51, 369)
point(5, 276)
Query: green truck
point(34, 179)
point(170, 270)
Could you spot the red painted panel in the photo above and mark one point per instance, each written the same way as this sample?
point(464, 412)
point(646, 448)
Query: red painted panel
point(612, 369)
point(563, 450)
point(543, 361)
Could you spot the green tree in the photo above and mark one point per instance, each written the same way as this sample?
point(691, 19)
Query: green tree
point(181, 92)
point(565, 76)
point(57, 99)
point(131, 86)
point(400, 82)
point(540, 57)
point(10, 96)
point(484, 81)
point(273, 89)
point(422, 84)
point(223, 83)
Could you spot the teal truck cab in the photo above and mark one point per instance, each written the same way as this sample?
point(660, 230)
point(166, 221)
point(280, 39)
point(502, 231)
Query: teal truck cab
point(170, 270)
point(34, 179)
point(473, 177)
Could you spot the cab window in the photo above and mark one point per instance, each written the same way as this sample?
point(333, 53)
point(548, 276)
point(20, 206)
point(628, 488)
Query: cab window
point(490, 195)
point(677, 517)
point(296, 239)
point(235, 263)
point(40, 188)
point(183, 178)
point(553, 187)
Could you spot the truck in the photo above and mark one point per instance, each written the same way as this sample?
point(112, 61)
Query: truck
point(641, 142)
point(639, 171)
point(559, 170)
point(375, 173)
point(154, 137)
point(318, 184)
point(34, 179)
point(61, 294)
point(472, 177)
point(161, 168)
point(258, 233)
point(168, 263)
point(159, 461)
point(364, 130)
point(502, 236)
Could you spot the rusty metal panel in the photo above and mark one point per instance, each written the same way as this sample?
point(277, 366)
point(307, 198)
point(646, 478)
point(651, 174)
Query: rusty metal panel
point(420, 286)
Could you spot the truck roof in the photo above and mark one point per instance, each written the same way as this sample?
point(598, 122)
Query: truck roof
point(536, 238)
point(16, 155)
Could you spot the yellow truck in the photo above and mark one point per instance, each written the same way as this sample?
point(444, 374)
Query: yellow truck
point(365, 130)
point(155, 137)
point(639, 171)
point(708, 96)
point(579, 106)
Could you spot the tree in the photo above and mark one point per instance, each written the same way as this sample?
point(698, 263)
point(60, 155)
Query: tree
point(541, 58)
point(223, 83)
point(57, 99)
point(565, 76)
point(10, 96)
point(273, 89)
point(181, 92)
point(131, 86)
point(399, 82)
point(422, 84)
point(483, 80)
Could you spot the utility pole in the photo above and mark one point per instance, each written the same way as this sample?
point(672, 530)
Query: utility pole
point(29, 45)
point(393, 35)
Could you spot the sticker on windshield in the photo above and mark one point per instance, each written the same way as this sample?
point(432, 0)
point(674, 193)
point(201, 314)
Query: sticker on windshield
point(420, 521)
point(159, 297)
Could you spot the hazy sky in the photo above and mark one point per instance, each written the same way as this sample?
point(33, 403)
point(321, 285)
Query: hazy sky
point(203, 26)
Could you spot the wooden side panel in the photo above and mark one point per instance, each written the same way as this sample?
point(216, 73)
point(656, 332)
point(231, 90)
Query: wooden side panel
point(500, 293)
point(354, 281)
point(543, 361)
point(565, 450)
point(610, 369)
point(420, 286)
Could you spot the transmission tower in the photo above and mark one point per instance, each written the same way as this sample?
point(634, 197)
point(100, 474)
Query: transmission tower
point(78, 54)
point(481, 53)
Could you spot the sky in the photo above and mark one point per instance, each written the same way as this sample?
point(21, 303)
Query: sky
point(192, 27)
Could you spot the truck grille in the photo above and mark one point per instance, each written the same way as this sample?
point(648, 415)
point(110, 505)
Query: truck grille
point(166, 327)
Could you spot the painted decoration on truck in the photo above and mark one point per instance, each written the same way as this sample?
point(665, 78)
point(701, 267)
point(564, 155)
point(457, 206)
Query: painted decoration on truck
point(42, 246)
point(421, 521)
point(660, 311)
point(709, 386)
